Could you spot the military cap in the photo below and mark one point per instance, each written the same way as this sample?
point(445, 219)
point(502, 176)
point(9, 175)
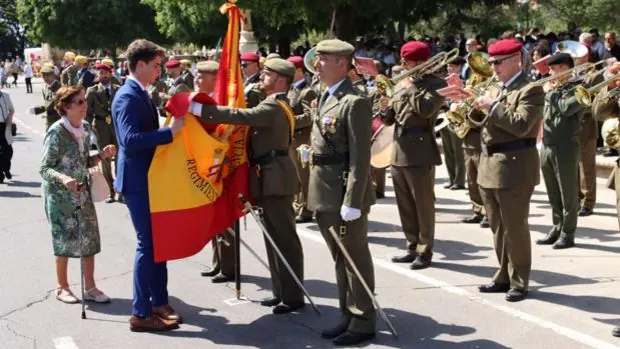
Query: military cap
point(458, 60)
point(415, 51)
point(108, 61)
point(505, 47)
point(297, 61)
point(273, 55)
point(70, 55)
point(335, 47)
point(281, 66)
point(186, 62)
point(102, 66)
point(46, 69)
point(561, 58)
point(173, 63)
point(207, 67)
point(250, 57)
point(81, 59)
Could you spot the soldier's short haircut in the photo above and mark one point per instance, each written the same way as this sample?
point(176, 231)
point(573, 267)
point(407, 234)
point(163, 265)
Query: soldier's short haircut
point(142, 50)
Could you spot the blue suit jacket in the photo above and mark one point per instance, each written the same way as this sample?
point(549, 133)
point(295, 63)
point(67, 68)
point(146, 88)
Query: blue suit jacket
point(137, 131)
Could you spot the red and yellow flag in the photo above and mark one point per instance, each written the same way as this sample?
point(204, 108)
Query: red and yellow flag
point(194, 181)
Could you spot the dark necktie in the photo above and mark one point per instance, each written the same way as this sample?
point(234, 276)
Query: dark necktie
point(107, 92)
point(324, 98)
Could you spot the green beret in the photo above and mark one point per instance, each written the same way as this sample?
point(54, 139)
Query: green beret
point(273, 55)
point(281, 66)
point(207, 67)
point(335, 47)
point(47, 70)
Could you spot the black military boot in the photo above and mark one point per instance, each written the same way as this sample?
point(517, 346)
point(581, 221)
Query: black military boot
point(550, 239)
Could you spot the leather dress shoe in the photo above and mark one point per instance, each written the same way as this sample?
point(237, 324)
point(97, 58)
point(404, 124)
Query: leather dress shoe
point(476, 218)
point(221, 278)
point(167, 313)
point(584, 212)
point(457, 187)
point(380, 195)
point(289, 307)
point(494, 287)
point(616, 332)
point(610, 152)
point(564, 242)
point(516, 295)
point(485, 222)
point(408, 257)
point(334, 332)
point(270, 301)
point(550, 239)
point(210, 273)
point(420, 262)
point(303, 219)
point(8, 175)
point(110, 200)
point(151, 324)
point(447, 186)
point(351, 338)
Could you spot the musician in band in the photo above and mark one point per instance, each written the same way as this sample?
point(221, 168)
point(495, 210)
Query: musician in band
point(414, 109)
point(559, 155)
point(301, 96)
point(509, 166)
point(452, 144)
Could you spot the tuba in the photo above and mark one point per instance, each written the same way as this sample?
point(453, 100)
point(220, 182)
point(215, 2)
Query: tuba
point(611, 133)
point(310, 60)
point(385, 86)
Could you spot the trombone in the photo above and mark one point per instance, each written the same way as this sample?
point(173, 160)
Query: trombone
point(385, 86)
point(585, 95)
point(580, 72)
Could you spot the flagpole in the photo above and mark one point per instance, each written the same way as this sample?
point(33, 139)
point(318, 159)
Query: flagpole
point(237, 242)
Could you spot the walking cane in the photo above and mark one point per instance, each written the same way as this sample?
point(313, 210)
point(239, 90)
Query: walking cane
point(248, 208)
point(362, 281)
point(79, 232)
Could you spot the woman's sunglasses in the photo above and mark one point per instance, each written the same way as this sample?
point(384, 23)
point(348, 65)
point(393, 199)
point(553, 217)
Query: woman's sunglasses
point(79, 102)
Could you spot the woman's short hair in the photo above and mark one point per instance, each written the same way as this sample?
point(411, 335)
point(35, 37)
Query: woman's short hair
point(64, 97)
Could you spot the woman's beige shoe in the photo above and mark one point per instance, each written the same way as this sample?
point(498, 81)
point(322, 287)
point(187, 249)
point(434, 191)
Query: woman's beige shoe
point(95, 295)
point(66, 296)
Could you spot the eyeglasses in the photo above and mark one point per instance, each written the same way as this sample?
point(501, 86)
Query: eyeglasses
point(244, 65)
point(79, 102)
point(500, 61)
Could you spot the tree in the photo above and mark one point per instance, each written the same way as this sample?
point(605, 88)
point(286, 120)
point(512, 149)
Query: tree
point(87, 24)
point(12, 38)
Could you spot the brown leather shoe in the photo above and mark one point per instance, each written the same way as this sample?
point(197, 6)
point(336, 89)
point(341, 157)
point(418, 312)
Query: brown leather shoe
point(151, 324)
point(165, 312)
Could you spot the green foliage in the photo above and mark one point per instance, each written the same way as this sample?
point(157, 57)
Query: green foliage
point(601, 14)
point(11, 34)
point(87, 24)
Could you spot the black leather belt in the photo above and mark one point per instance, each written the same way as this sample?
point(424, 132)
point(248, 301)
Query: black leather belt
point(329, 159)
point(401, 131)
point(519, 144)
point(267, 158)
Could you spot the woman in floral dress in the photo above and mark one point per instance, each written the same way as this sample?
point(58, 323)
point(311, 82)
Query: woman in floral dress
point(64, 168)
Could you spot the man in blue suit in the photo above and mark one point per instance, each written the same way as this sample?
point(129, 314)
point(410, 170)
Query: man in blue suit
point(137, 127)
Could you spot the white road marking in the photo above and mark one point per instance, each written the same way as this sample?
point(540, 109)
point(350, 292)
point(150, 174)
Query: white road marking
point(65, 343)
point(559, 329)
point(28, 127)
point(234, 301)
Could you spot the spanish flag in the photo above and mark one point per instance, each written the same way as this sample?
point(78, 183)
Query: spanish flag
point(195, 180)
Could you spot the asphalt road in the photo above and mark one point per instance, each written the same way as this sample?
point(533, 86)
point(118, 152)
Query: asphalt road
point(572, 304)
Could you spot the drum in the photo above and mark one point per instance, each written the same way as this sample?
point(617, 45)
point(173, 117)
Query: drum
point(381, 146)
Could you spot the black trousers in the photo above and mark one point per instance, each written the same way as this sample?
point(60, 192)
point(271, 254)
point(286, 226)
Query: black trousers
point(6, 151)
point(28, 85)
point(15, 79)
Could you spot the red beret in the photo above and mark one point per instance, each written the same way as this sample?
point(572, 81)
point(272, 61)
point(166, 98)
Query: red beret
point(415, 51)
point(173, 63)
point(297, 61)
point(505, 47)
point(250, 57)
point(103, 67)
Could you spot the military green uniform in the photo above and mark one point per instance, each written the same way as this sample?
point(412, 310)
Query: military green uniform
point(587, 161)
point(273, 182)
point(454, 157)
point(154, 89)
point(472, 148)
point(378, 174)
point(300, 94)
point(360, 87)
point(115, 81)
point(188, 79)
point(49, 95)
point(604, 108)
point(178, 85)
point(68, 77)
point(99, 115)
point(508, 172)
point(414, 157)
point(340, 175)
point(253, 94)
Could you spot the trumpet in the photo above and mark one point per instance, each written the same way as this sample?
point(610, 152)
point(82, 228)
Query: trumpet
point(578, 73)
point(585, 95)
point(385, 86)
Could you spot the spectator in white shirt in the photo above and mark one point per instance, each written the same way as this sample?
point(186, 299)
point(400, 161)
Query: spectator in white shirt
point(28, 77)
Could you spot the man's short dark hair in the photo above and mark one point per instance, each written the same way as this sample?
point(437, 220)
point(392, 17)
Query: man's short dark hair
point(142, 50)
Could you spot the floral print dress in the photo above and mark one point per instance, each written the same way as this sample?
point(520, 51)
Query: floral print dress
point(61, 158)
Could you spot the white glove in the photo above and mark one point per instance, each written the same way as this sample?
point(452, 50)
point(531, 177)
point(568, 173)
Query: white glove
point(350, 214)
point(31, 111)
point(176, 125)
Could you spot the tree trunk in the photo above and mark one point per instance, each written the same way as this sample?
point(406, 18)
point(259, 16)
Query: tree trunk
point(284, 46)
point(345, 28)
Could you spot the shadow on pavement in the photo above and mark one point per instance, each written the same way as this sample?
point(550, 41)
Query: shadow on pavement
point(601, 235)
point(17, 194)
